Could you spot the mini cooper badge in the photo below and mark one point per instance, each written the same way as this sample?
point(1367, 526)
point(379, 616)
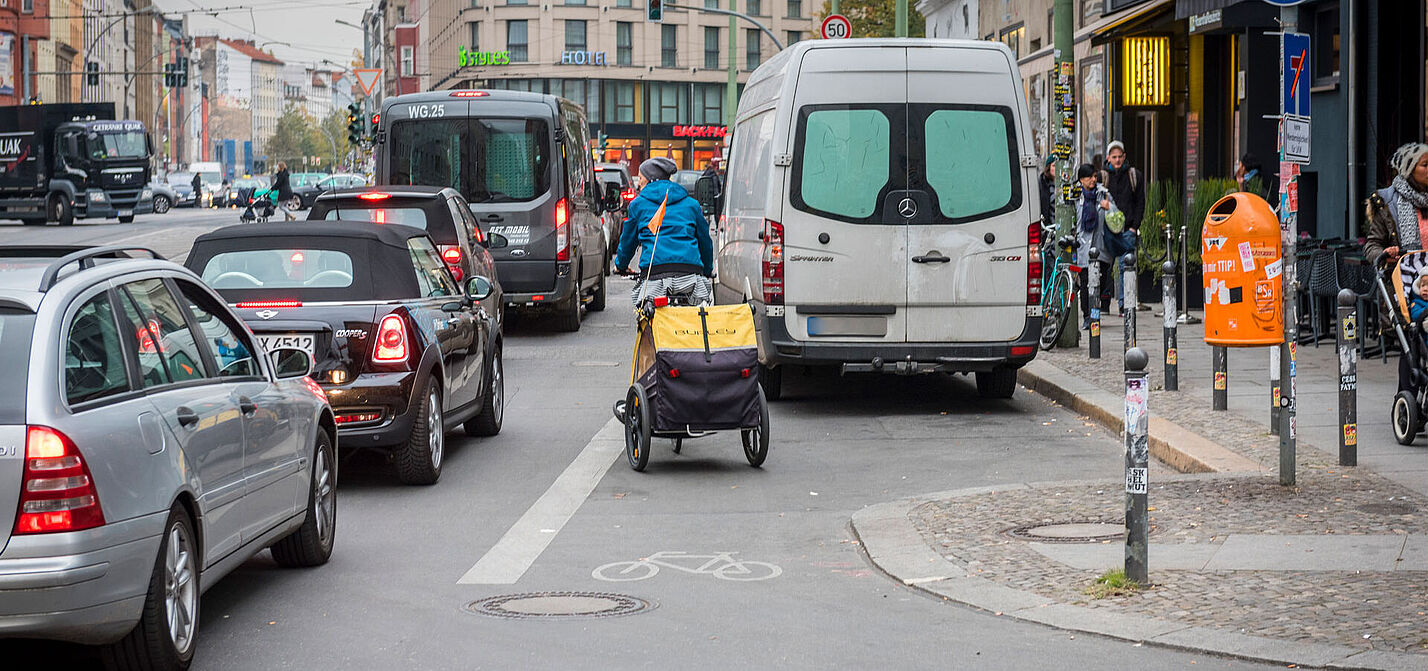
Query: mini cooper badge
point(267, 314)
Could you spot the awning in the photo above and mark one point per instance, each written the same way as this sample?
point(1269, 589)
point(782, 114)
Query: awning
point(1113, 21)
point(1185, 9)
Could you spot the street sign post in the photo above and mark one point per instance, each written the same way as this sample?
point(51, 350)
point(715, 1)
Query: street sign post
point(836, 27)
point(1294, 93)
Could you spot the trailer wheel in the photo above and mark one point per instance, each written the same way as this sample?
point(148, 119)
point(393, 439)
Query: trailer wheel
point(59, 211)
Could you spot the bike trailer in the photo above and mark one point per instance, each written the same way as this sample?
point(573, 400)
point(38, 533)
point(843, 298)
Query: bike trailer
point(699, 368)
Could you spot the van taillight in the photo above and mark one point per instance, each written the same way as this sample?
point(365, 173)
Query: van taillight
point(773, 263)
point(1033, 269)
point(391, 342)
point(562, 231)
point(451, 254)
point(57, 493)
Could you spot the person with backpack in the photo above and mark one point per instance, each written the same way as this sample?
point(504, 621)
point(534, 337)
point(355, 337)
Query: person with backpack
point(1127, 190)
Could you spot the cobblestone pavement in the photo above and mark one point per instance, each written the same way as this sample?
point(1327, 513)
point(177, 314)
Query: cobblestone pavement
point(1369, 610)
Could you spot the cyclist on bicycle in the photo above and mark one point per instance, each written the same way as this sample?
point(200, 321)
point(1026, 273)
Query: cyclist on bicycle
point(677, 255)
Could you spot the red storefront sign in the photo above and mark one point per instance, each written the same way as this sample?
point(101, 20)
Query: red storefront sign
point(700, 131)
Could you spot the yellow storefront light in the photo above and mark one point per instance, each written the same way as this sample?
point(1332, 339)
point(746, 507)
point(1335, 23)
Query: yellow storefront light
point(1145, 71)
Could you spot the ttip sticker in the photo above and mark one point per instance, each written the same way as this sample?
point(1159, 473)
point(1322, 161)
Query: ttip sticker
point(1170, 356)
point(1095, 329)
point(1351, 434)
point(1219, 380)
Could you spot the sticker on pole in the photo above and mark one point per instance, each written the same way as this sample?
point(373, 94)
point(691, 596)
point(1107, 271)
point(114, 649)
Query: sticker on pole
point(1136, 480)
point(367, 79)
point(836, 27)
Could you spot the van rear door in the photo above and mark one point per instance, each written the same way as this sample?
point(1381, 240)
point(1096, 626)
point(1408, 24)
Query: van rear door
point(967, 241)
point(844, 258)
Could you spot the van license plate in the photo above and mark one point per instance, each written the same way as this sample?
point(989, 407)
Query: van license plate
point(287, 341)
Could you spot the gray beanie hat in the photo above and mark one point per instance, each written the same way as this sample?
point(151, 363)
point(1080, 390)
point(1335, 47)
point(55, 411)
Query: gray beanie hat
point(1405, 157)
point(658, 168)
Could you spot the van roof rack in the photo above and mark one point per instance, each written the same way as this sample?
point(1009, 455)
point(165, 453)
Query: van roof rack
point(85, 258)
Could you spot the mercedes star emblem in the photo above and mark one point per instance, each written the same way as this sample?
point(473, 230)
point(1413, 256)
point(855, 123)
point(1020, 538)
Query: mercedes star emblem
point(267, 314)
point(907, 208)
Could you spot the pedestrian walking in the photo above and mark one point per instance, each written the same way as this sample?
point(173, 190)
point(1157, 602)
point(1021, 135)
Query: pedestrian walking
point(284, 191)
point(1127, 188)
point(1047, 182)
point(197, 190)
point(1092, 205)
point(1398, 220)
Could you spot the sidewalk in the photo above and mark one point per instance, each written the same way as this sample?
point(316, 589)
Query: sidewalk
point(1332, 572)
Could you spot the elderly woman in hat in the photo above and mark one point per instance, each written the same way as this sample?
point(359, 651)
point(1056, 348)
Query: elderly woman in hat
point(669, 228)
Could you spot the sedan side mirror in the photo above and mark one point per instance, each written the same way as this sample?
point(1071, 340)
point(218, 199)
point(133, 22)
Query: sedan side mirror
point(479, 288)
point(289, 363)
point(612, 197)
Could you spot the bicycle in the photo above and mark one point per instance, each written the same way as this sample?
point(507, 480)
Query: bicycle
point(721, 565)
point(1059, 283)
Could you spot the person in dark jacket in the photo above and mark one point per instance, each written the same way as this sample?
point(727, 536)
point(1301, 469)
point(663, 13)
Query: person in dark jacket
point(197, 190)
point(284, 190)
point(678, 255)
point(1047, 182)
point(1127, 187)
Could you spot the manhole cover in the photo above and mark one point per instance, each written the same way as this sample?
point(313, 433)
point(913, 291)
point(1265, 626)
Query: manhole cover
point(1069, 532)
point(547, 605)
point(1389, 508)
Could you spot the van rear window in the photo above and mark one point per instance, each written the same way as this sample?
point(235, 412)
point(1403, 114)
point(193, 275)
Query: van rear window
point(489, 160)
point(845, 160)
point(969, 165)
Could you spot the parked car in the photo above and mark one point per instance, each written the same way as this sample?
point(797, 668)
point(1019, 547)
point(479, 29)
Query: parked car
point(165, 196)
point(307, 192)
point(404, 352)
point(522, 160)
point(441, 212)
point(617, 175)
point(240, 192)
point(148, 447)
point(686, 179)
point(874, 254)
point(298, 180)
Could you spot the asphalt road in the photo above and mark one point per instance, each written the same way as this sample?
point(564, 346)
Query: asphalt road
point(550, 500)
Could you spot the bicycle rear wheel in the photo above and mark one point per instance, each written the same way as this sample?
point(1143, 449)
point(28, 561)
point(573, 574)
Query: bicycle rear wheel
point(1058, 309)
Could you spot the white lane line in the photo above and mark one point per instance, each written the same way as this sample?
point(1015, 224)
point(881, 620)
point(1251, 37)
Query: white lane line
point(513, 555)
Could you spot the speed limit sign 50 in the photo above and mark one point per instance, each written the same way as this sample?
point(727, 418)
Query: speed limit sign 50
point(836, 27)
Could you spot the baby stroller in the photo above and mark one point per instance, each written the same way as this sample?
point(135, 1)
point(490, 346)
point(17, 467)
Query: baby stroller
point(1395, 285)
point(695, 371)
point(260, 207)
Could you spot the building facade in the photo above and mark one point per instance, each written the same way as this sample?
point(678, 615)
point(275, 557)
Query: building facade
point(23, 27)
point(648, 88)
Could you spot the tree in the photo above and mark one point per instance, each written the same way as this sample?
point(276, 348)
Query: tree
point(876, 18)
point(293, 139)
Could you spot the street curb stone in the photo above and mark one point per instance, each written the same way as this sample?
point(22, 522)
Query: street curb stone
point(893, 544)
point(1176, 446)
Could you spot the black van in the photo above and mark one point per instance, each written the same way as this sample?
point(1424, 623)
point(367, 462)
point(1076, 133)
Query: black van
point(523, 162)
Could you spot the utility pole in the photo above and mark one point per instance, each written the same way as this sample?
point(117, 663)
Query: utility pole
point(901, 17)
point(1063, 139)
point(1289, 235)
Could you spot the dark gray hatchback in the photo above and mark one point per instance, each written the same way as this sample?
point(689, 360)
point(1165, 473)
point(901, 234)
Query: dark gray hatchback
point(522, 161)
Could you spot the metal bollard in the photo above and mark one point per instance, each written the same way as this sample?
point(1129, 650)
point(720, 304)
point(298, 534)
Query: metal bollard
point(1170, 322)
point(1093, 299)
point(1348, 378)
point(1220, 364)
point(1137, 457)
point(1274, 390)
point(1129, 300)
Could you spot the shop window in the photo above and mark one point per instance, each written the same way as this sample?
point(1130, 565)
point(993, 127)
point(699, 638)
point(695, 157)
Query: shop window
point(792, 36)
point(709, 104)
point(1013, 38)
point(753, 53)
point(518, 41)
point(574, 35)
point(711, 48)
point(751, 7)
point(475, 28)
point(669, 103)
point(623, 51)
point(1324, 46)
point(668, 46)
point(795, 9)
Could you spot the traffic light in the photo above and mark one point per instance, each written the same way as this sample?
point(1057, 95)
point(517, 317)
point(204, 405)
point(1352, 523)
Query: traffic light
point(181, 72)
point(372, 130)
point(170, 77)
point(354, 123)
point(654, 11)
point(604, 142)
point(92, 73)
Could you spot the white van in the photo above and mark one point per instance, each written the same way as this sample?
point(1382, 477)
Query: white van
point(881, 209)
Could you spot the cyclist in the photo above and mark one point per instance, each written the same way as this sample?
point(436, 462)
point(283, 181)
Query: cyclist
point(677, 255)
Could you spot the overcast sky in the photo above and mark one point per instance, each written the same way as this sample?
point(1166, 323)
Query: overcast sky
point(306, 25)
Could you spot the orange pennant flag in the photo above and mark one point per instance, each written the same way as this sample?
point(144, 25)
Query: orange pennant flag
point(658, 217)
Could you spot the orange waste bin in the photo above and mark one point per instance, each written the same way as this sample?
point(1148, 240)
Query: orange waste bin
point(1241, 259)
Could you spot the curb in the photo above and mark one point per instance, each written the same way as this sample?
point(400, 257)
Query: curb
point(896, 548)
point(1176, 446)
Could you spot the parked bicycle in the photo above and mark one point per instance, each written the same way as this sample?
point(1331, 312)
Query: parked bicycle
point(1060, 281)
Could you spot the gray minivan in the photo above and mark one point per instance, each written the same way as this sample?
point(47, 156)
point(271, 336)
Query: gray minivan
point(522, 160)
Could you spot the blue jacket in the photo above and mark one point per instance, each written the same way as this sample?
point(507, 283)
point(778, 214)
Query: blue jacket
point(683, 237)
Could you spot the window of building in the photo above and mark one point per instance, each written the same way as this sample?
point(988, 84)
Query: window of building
point(475, 29)
point(1324, 47)
point(575, 2)
point(27, 6)
point(711, 48)
point(709, 104)
point(624, 52)
point(574, 35)
point(1013, 37)
point(711, 4)
point(624, 3)
point(752, 48)
point(517, 2)
point(792, 36)
point(795, 9)
point(518, 41)
point(622, 102)
point(751, 7)
point(401, 13)
point(408, 61)
point(669, 103)
point(474, 4)
point(1090, 11)
point(668, 46)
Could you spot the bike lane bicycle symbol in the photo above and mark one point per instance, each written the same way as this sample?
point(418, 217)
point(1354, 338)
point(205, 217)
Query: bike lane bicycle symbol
point(721, 565)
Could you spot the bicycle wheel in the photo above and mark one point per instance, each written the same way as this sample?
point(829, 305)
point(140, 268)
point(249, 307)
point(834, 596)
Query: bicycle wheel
point(637, 427)
point(1058, 309)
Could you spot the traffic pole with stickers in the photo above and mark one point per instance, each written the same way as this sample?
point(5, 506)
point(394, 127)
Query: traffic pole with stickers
point(1298, 69)
point(1169, 313)
point(1137, 458)
point(1348, 378)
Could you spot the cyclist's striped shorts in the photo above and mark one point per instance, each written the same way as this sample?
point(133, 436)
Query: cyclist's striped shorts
point(697, 287)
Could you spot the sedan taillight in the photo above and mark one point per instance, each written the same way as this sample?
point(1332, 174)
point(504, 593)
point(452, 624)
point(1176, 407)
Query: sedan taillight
point(451, 254)
point(391, 345)
point(57, 493)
